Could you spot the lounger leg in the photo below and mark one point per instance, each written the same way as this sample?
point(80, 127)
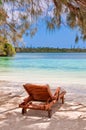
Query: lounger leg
point(63, 100)
point(23, 111)
point(49, 113)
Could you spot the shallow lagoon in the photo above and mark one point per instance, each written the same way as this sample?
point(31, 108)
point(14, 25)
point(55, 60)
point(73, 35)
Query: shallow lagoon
point(45, 67)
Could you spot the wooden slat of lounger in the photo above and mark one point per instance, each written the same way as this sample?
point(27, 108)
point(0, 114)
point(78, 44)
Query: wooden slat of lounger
point(38, 92)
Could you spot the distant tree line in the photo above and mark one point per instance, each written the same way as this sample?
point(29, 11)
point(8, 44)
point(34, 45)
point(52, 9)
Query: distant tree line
point(47, 49)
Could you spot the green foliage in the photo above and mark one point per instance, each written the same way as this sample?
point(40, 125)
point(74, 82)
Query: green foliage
point(71, 19)
point(9, 49)
point(0, 2)
point(6, 49)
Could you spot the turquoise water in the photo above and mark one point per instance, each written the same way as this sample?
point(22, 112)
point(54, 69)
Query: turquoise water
point(68, 67)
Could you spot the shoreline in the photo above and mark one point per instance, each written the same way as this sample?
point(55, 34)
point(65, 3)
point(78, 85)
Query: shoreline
point(77, 91)
point(71, 88)
point(70, 115)
point(44, 77)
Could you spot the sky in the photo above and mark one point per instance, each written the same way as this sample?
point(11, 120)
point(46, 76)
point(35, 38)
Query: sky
point(58, 38)
point(64, 37)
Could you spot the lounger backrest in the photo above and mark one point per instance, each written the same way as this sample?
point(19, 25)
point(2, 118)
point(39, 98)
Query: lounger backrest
point(38, 92)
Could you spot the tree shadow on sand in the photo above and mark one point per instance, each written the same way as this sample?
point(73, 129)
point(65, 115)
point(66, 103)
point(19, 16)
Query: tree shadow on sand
point(64, 117)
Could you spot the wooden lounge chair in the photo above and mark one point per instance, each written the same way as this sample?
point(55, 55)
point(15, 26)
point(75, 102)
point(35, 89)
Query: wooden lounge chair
point(41, 93)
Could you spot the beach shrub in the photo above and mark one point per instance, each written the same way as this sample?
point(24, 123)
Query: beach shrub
point(6, 49)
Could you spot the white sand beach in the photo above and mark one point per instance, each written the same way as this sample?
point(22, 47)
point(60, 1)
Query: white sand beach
point(68, 116)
